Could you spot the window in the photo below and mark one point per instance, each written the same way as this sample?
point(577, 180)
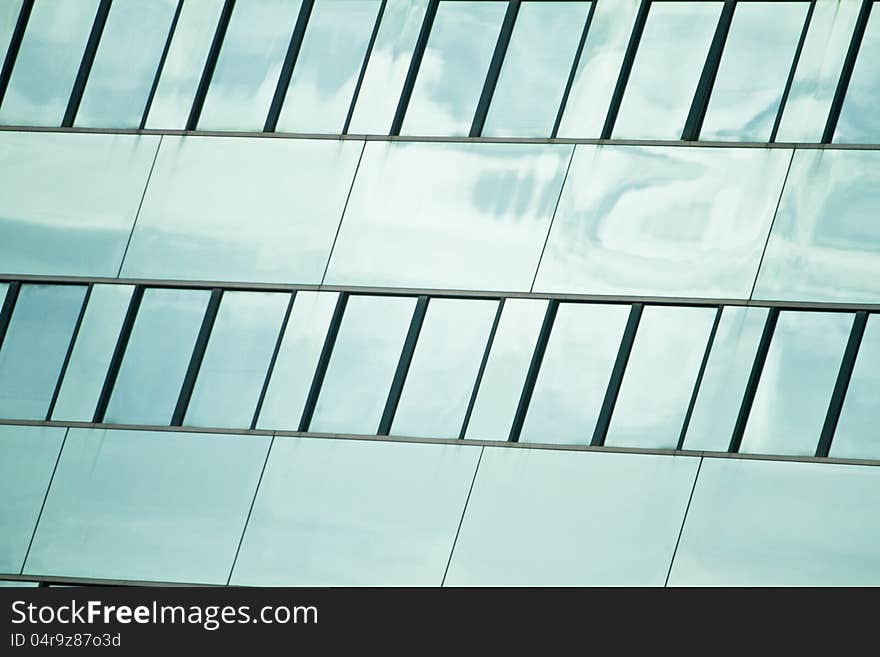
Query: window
point(859, 121)
point(857, 435)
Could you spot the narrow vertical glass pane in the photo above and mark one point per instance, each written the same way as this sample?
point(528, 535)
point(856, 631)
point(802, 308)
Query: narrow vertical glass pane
point(35, 346)
point(249, 64)
point(796, 383)
point(4, 287)
point(125, 64)
point(48, 61)
point(574, 374)
point(754, 68)
point(444, 368)
point(536, 69)
point(236, 360)
point(505, 373)
point(724, 381)
point(9, 12)
point(386, 71)
point(660, 376)
point(157, 356)
point(858, 432)
point(297, 359)
point(363, 364)
point(859, 120)
point(454, 68)
point(328, 66)
point(184, 64)
point(818, 70)
point(95, 343)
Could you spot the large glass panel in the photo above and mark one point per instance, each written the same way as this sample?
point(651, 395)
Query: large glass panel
point(796, 383)
point(574, 374)
point(95, 343)
point(125, 64)
point(388, 65)
point(27, 457)
point(660, 375)
point(363, 364)
point(444, 368)
point(666, 70)
point(147, 506)
point(754, 68)
point(724, 382)
point(536, 69)
point(556, 518)
point(237, 358)
point(48, 61)
point(772, 523)
point(249, 64)
point(858, 434)
point(157, 356)
point(328, 66)
point(355, 513)
point(859, 120)
point(9, 12)
point(671, 221)
point(453, 69)
point(260, 210)
point(35, 346)
point(297, 360)
point(818, 70)
point(490, 209)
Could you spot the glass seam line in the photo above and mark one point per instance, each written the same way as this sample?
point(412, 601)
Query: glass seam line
point(461, 518)
point(137, 213)
point(687, 508)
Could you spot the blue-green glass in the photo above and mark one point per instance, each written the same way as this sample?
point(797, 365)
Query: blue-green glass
point(33, 351)
point(4, 287)
point(20, 584)
point(859, 121)
point(355, 513)
point(9, 12)
point(147, 506)
point(858, 432)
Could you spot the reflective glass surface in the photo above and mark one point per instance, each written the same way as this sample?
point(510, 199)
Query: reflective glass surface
point(35, 346)
point(355, 513)
point(147, 506)
point(363, 364)
point(675, 221)
point(453, 69)
point(796, 383)
point(859, 120)
point(574, 374)
point(660, 375)
point(484, 228)
point(249, 64)
point(444, 368)
point(328, 66)
point(157, 356)
point(125, 64)
point(9, 11)
point(261, 210)
point(858, 433)
point(555, 518)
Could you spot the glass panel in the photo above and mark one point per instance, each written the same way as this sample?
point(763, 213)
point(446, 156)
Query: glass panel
point(490, 209)
point(157, 356)
point(249, 65)
point(48, 61)
point(389, 62)
point(237, 359)
point(505, 373)
point(754, 68)
point(35, 346)
point(235, 209)
point(4, 287)
point(574, 374)
point(771, 523)
point(297, 360)
point(453, 69)
point(9, 12)
point(673, 221)
point(95, 343)
point(27, 457)
point(859, 120)
point(147, 506)
point(857, 434)
point(355, 513)
point(125, 64)
point(328, 66)
point(724, 381)
point(444, 368)
point(606, 519)
point(20, 584)
point(666, 70)
point(363, 364)
point(536, 68)
point(818, 70)
point(660, 375)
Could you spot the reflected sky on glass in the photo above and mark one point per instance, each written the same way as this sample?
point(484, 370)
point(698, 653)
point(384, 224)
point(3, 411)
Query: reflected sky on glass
point(859, 120)
point(9, 11)
point(858, 432)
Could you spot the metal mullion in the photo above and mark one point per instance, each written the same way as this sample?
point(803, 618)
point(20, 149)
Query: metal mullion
point(483, 362)
point(414, 65)
point(85, 66)
point(134, 305)
point(7, 309)
point(296, 40)
point(272, 360)
point(69, 352)
point(574, 67)
point(494, 71)
point(14, 46)
point(210, 65)
point(626, 68)
point(162, 59)
point(705, 361)
point(791, 73)
point(323, 362)
point(363, 71)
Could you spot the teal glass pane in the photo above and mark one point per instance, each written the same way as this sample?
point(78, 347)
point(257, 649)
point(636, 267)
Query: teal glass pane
point(4, 287)
point(858, 434)
point(9, 12)
point(859, 121)
point(18, 584)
